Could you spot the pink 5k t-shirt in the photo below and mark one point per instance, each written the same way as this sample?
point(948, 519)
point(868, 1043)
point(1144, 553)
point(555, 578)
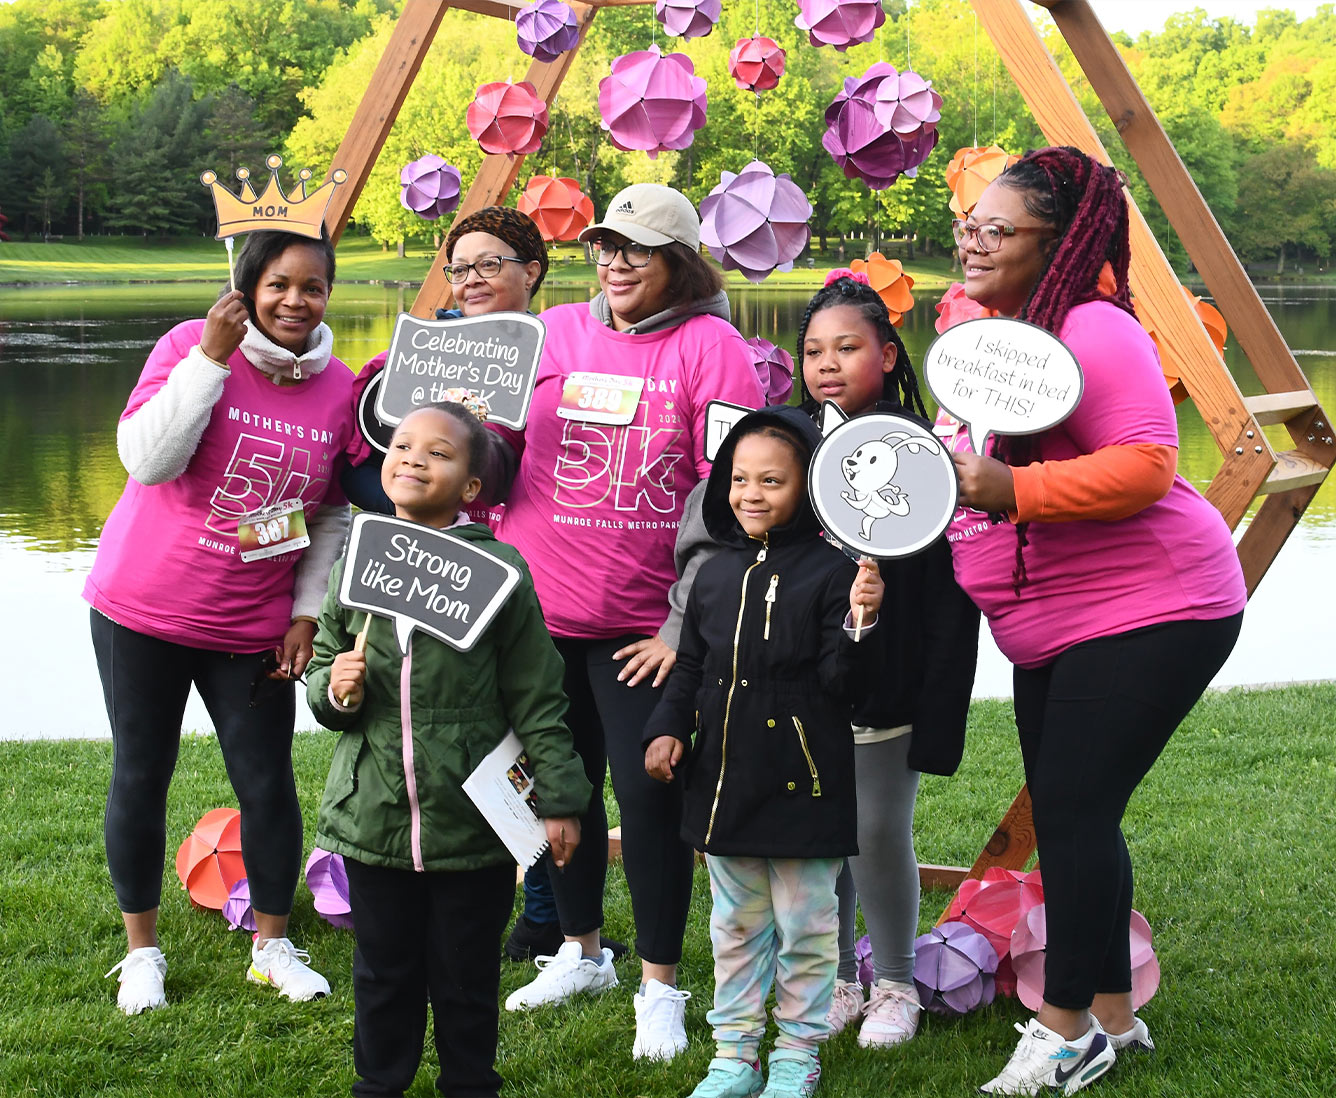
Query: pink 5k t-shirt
point(594, 507)
point(1171, 561)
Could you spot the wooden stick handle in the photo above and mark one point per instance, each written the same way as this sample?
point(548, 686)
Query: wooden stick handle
point(858, 624)
point(359, 645)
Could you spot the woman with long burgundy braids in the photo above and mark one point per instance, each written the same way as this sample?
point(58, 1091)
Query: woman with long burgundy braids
point(1108, 581)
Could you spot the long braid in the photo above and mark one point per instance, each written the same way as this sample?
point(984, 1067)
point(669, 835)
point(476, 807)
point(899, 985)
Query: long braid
point(1083, 202)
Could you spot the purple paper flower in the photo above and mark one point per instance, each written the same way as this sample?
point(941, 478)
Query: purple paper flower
point(755, 222)
point(840, 23)
point(546, 29)
point(652, 102)
point(864, 147)
point(774, 370)
point(328, 882)
point(953, 969)
point(687, 18)
point(237, 910)
point(906, 103)
point(429, 186)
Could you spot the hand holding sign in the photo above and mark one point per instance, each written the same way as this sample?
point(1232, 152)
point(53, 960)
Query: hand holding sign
point(1002, 376)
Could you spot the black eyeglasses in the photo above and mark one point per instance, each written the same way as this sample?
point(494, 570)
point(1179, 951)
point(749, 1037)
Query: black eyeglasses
point(263, 688)
point(636, 255)
point(489, 266)
point(988, 235)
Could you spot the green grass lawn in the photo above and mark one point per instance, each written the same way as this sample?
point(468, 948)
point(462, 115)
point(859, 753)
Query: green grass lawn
point(1233, 836)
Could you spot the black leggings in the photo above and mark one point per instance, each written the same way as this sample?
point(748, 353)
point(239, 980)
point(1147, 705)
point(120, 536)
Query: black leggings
point(145, 683)
point(607, 719)
point(1091, 725)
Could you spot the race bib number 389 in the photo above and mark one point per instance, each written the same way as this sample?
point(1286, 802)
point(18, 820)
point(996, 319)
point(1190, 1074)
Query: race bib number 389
point(272, 531)
point(600, 398)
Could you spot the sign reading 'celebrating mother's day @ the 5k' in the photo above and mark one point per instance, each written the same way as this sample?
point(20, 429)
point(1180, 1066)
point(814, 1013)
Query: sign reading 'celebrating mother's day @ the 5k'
point(1002, 376)
point(423, 579)
point(495, 356)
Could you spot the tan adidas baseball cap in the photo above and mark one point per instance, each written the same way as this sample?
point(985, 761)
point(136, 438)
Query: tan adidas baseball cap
point(650, 214)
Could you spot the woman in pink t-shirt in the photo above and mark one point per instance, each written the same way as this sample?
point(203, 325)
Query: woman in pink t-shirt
point(1109, 582)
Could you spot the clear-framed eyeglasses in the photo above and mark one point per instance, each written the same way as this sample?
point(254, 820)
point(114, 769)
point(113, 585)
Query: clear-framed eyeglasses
point(488, 266)
point(989, 235)
point(636, 255)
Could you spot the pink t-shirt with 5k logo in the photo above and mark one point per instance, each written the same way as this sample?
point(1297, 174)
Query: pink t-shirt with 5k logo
point(168, 562)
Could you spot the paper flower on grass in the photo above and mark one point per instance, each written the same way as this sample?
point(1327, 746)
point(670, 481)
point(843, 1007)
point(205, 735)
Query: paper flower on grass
point(652, 102)
point(209, 862)
point(429, 186)
point(756, 63)
point(953, 969)
point(237, 908)
point(994, 906)
point(557, 206)
point(687, 18)
point(971, 170)
point(546, 29)
point(507, 118)
point(888, 278)
point(840, 23)
point(906, 103)
point(755, 221)
point(955, 308)
point(864, 147)
point(1030, 937)
point(328, 882)
point(774, 370)
point(863, 955)
point(1145, 965)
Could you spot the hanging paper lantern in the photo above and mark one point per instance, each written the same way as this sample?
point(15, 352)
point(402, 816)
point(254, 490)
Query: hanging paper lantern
point(755, 221)
point(953, 969)
point(429, 186)
point(993, 906)
point(861, 145)
point(507, 118)
point(774, 370)
point(687, 18)
point(971, 170)
point(1027, 951)
point(546, 29)
point(237, 908)
point(328, 881)
point(840, 23)
point(557, 206)
point(209, 862)
point(906, 103)
point(888, 278)
point(955, 307)
point(652, 102)
point(756, 63)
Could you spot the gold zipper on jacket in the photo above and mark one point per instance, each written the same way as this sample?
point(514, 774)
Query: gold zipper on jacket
point(770, 595)
point(802, 739)
point(728, 703)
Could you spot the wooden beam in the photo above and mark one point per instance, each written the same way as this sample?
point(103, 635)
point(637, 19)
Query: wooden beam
point(1266, 533)
point(1280, 407)
point(1012, 842)
point(409, 42)
point(498, 172)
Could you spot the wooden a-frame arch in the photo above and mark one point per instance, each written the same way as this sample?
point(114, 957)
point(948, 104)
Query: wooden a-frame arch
point(1251, 467)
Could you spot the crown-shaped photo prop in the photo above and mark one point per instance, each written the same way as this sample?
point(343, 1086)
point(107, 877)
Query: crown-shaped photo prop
point(245, 212)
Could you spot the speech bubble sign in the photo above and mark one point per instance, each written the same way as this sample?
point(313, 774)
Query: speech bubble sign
point(720, 417)
point(423, 579)
point(495, 356)
point(1003, 376)
point(882, 485)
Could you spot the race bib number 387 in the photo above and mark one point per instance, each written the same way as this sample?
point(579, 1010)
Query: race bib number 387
point(600, 398)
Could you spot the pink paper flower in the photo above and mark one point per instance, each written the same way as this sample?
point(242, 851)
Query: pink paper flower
point(955, 307)
point(840, 23)
point(687, 18)
point(755, 222)
point(429, 187)
point(756, 63)
point(546, 29)
point(652, 102)
point(507, 118)
point(1030, 938)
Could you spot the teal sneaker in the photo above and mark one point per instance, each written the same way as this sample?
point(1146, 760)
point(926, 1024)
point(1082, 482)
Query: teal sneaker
point(730, 1079)
point(793, 1074)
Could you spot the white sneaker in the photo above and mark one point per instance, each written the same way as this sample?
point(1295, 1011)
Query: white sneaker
point(891, 1015)
point(284, 967)
point(1136, 1039)
point(142, 972)
point(1044, 1061)
point(560, 977)
point(660, 1022)
point(845, 1005)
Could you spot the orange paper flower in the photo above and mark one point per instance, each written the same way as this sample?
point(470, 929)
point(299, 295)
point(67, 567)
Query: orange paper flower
point(971, 170)
point(1215, 327)
point(888, 278)
point(557, 205)
point(209, 863)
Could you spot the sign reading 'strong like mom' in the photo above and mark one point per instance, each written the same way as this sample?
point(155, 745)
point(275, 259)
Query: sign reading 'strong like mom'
point(494, 356)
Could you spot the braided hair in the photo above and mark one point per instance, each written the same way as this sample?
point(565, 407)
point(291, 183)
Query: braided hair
point(1082, 201)
point(899, 386)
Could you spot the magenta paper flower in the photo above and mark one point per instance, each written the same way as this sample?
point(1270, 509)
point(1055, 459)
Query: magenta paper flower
point(840, 23)
point(687, 18)
point(862, 146)
point(237, 909)
point(953, 969)
point(906, 103)
point(652, 102)
point(994, 906)
point(755, 222)
point(507, 118)
point(429, 186)
point(756, 63)
point(774, 370)
point(546, 29)
point(328, 882)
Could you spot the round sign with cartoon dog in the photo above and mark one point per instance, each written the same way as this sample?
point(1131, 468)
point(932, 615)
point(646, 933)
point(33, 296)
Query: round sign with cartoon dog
point(882, 485)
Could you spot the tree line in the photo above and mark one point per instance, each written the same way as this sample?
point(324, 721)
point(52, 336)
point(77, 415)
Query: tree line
point(110, 109)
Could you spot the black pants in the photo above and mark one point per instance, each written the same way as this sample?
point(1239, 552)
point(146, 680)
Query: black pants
point(145, 683)
point(1091, 725)
point(419, 933)
point(607, 719)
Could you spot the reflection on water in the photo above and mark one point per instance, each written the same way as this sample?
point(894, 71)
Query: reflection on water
point(70, 355)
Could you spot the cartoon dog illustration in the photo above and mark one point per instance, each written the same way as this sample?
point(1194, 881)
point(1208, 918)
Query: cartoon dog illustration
point(869, 471)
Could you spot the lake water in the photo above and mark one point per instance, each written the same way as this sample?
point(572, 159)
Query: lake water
point(70, 355)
